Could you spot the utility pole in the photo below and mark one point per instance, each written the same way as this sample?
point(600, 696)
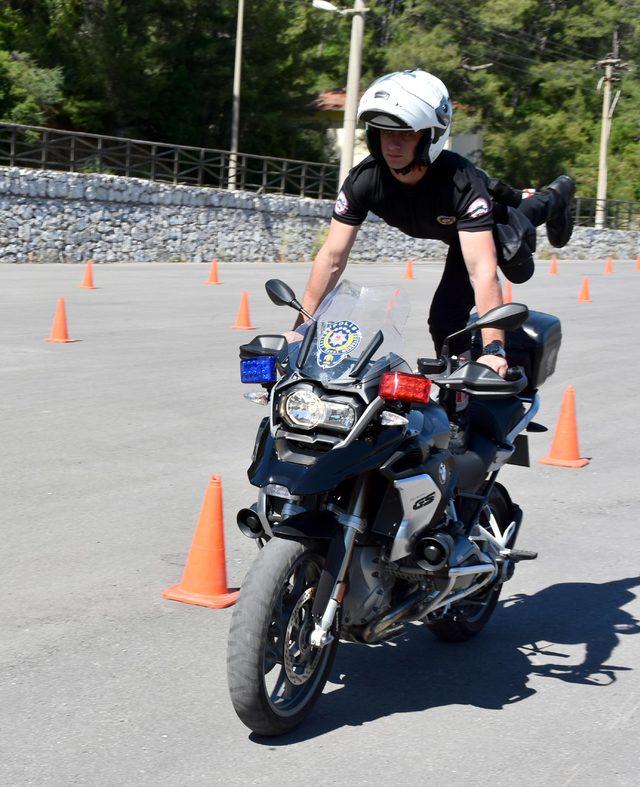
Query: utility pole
point(235, 120)
point(609, 63)
point(353, 89)
point(353, 79)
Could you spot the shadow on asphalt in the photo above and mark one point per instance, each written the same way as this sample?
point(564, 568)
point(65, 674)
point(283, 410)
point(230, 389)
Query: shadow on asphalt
point(416, 672)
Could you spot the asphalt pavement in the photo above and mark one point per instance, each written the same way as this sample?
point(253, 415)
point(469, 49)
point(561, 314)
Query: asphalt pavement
point(107, 447)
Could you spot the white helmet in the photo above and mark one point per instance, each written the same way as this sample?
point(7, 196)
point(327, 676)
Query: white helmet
point(408, 100)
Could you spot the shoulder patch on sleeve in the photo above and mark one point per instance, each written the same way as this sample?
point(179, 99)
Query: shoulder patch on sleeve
point(479, 207)
point(342, 204)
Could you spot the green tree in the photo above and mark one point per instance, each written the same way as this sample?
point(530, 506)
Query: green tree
point(163, 70)
point(537, 104)
point(28, 94)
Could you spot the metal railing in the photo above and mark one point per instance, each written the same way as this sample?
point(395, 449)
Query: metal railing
point(70, 151)
point(618, 214)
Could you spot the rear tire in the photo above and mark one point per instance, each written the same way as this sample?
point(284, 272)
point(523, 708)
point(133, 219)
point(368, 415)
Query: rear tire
point(463, 623)
point(274, 675)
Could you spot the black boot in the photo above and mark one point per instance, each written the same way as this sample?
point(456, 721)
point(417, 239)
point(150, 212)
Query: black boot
point(560, 221)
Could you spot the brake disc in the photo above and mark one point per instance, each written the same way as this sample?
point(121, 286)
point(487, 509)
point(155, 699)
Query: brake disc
point(305, 657)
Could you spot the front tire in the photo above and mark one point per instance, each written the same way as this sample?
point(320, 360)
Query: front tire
point(275, 676)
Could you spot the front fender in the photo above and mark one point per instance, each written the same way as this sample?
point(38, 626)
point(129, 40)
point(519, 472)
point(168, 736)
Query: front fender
point(308, 526)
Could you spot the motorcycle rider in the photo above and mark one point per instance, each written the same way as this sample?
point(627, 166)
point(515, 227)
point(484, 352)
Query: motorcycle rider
point(412, 183)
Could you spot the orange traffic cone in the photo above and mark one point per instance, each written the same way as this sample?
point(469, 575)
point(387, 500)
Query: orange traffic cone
point(584, 296)
point(408, 274)
point(204, 581)
point(213, 273)
point(608, 268)
point(87, 280)
point(243, 320)
point(564, 449)
point(59, 332)
point(553, 268)
point(636, 267)
point(507, 293)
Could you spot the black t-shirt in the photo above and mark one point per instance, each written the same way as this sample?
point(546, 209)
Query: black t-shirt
point(451, 196)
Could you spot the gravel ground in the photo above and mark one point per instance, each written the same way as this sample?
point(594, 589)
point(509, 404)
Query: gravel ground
point(108, 444)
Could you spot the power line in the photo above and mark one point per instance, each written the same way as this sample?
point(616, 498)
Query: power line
point(498, 61)
point(552, 49)
point(532, 60)
point(562, 49)
point(523, 59)
point(549, 49)
point(526, 39)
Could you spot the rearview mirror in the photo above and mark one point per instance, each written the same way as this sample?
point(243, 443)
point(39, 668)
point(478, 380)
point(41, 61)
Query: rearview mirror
point(507, 317)
point(280, 293)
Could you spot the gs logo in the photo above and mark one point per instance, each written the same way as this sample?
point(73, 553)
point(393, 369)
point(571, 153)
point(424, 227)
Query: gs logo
point(424, 501)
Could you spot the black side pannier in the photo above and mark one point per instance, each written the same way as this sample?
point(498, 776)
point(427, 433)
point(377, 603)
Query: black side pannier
point(534, 346)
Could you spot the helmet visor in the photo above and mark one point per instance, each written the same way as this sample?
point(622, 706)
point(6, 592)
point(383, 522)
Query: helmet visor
point(383, 121)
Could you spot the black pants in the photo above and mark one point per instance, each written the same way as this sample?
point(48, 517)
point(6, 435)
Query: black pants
point(454, 298)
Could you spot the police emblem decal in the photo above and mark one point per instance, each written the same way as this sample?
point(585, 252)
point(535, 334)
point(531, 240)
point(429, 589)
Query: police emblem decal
point(336, 342)
point(341, 206)
point(479, 207)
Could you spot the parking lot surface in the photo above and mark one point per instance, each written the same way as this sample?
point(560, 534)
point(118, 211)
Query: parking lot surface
point(107, 447)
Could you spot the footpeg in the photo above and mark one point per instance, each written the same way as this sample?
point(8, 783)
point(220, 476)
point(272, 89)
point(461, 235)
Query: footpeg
point(516, 555)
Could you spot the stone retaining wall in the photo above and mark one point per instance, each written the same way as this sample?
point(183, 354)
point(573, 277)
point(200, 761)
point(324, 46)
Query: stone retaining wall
point(48, 216)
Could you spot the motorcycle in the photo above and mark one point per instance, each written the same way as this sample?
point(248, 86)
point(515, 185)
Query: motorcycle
point(377, 501)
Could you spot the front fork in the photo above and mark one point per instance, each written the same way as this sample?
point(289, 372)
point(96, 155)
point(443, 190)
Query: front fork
point(353, 523)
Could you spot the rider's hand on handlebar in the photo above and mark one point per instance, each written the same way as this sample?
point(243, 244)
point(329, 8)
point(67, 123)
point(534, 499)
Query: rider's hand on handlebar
point(496, 363)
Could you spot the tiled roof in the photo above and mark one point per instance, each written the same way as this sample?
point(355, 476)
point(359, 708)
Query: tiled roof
point(331, 99)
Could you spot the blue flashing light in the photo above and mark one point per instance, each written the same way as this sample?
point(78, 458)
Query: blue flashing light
point(258, 370)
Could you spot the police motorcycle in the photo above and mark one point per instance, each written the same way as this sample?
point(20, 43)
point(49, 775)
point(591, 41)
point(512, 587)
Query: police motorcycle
point(367, 518)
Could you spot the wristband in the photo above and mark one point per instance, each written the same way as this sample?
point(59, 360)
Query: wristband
point(494, 348)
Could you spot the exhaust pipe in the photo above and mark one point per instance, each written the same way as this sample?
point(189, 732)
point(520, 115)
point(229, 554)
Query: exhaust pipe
point(417, 605)
point(383, 627)
point(250, 524)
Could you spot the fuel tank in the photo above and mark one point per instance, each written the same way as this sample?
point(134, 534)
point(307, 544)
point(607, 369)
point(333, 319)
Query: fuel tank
point(420, 480)
point(431, 425)
point(414, 499)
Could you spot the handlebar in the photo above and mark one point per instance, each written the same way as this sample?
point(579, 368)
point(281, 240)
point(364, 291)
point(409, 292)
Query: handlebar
point(472, 377)
point(514, 373)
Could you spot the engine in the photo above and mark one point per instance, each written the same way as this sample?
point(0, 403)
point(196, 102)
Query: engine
point(369, 588)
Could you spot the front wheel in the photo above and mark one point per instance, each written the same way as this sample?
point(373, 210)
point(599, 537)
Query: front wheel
point(275, 675)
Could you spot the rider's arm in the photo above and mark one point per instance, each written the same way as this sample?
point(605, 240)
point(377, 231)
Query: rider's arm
point(328, 265)
point(480, 257)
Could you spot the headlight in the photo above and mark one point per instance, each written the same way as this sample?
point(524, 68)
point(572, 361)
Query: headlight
point(340, 415)
point(306, 410)
point(302, 408)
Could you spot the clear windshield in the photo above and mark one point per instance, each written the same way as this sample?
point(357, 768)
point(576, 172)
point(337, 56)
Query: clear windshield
point(348, 318)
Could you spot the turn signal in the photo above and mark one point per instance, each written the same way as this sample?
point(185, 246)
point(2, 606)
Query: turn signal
point(401, 387)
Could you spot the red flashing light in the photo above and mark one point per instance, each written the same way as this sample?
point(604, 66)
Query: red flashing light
point(401, 387)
